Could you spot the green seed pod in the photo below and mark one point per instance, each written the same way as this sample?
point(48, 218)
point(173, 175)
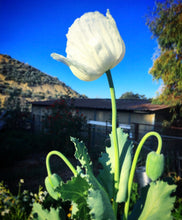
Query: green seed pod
point(154, 165)
point(51, 183)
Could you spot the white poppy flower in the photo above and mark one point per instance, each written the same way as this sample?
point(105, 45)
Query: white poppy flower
point(94, 46)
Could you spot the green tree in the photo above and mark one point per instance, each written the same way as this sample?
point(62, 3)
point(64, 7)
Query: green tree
point(165, 23)
point(131, 95)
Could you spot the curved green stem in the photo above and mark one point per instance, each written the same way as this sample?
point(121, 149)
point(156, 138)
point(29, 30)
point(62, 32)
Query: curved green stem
point(133, 167)
point(63, 158)
point(115, 139)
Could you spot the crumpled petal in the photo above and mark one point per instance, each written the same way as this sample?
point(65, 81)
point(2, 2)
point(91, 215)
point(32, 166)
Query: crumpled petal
point(78, 71)
point(94, 46)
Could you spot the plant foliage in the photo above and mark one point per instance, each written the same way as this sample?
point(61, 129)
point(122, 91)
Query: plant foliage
point(61, 122)
point(131, 95)
point(159, 203)
point(165, 23)
point(92, 197)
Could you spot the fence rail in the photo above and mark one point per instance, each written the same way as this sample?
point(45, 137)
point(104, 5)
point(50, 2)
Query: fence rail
point(172, 139)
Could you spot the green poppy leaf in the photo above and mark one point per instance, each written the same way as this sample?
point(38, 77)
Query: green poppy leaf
point(99, 209)
point(159, 203)
point(76, 191)
point(39, 213)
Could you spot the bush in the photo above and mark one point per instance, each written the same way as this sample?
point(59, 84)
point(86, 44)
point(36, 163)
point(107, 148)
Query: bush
point(64, 122)
point(16, 141)
point(14, 207)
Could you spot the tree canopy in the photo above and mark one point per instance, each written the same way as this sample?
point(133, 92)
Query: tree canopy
point(165, 23)
point(131, 95)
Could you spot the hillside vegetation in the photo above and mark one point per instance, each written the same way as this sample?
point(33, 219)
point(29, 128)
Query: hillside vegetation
point(21, 83)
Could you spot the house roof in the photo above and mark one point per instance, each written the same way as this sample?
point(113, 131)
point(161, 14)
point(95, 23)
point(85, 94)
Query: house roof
point(105, 104)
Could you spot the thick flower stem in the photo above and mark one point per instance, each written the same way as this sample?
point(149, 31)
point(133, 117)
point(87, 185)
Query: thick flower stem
point(63, 158)
point(133, 167)
point(115, 139)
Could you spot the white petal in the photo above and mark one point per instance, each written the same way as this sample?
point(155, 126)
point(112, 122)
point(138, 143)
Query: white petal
point(60, 58)
point(84, 43)
point(94, 46)
point(79, 71)
point(83, 75)
point(95, 41)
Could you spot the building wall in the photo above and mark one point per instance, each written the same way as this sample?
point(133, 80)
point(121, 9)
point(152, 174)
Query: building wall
point(38, 114)
point(128, 118)
point(96, 115)
point(122, 117)
point(146, 121)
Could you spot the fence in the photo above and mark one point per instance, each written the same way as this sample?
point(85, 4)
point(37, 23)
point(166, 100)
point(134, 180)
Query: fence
point(98, 133)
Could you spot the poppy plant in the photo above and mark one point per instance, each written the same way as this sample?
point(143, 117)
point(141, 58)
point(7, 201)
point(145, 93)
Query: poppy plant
point(94, 47)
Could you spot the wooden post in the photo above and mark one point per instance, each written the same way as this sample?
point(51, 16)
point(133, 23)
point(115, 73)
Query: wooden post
point(136, 130)
point(89, 136)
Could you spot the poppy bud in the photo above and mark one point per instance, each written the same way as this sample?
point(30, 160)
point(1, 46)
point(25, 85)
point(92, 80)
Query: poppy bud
point(154, 165)
point(51, 183)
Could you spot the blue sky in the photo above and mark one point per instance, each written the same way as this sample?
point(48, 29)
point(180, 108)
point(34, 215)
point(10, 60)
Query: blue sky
point(32, 30)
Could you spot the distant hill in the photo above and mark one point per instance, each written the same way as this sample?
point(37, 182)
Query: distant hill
point(22, 83)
